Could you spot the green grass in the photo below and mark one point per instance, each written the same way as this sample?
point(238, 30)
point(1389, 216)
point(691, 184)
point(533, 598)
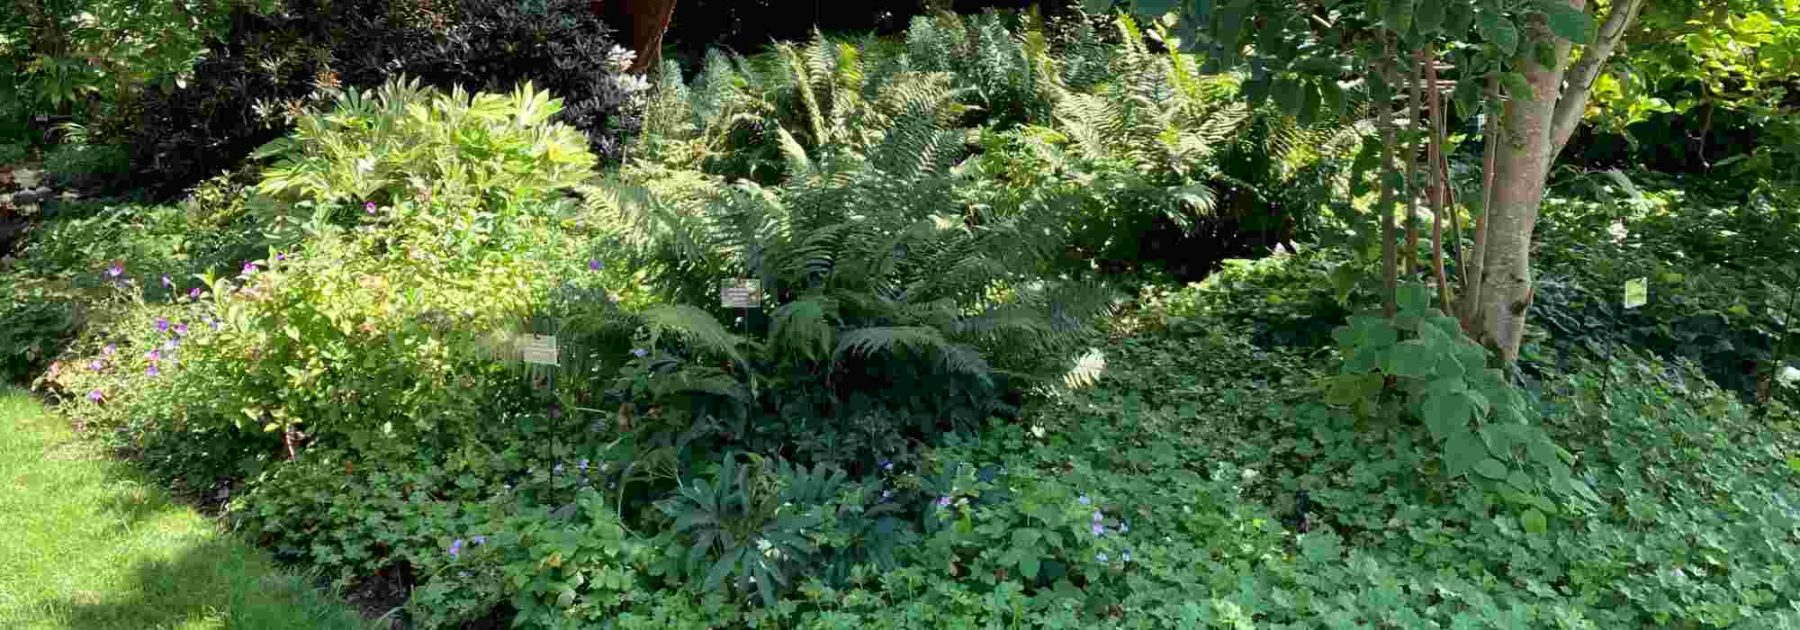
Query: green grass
point(86, 543)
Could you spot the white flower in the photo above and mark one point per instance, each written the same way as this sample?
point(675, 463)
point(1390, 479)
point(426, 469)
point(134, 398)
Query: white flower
point(1789, 376)
point(1619, 232)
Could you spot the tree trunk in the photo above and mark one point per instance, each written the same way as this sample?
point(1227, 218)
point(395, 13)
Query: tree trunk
point(1522, 160)
point(649, 20)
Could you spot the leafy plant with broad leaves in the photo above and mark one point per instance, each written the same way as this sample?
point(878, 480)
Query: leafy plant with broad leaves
point(1442, 378)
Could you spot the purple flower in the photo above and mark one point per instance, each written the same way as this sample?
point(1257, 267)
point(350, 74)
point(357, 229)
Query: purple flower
point(456, 548)
point(167, 283)
point(109, 349)
point(96, 365)
point(1098, 516)
point(482, 540)
point(153, 355)
point(369, 207)
point(1100, 557)
point(162, 324)
point(96, 396)
point(1084, 500)
point(944, 501)
point(594, 264)
point(171, 345)
point(1098, 529)
point(887, 464)
point(281, 256)
point(639, 352)
point(582, 465)
point(152, 371)
point(117, 269)
point(194, 293)
point(250, 266)
point(212, 322)
point(557, 469)
point(181, 329)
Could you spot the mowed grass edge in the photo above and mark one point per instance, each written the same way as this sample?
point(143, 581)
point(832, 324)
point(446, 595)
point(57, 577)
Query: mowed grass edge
point(87, 543)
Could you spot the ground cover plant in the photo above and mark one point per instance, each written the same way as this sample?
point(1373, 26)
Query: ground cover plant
point(1122, 318)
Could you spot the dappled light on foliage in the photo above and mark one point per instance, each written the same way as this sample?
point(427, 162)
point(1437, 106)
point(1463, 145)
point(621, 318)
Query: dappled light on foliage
point(1434, 314)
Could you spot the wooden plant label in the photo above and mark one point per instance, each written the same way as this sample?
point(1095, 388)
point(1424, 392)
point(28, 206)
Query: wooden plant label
point(538, 349)
point(1637, 292)
point(740, 293)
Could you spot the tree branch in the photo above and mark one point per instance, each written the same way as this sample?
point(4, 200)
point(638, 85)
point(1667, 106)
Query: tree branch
point(1581, 77)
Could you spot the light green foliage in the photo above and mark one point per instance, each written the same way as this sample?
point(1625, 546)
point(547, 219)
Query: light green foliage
point(1482, 423)
point(403, 142)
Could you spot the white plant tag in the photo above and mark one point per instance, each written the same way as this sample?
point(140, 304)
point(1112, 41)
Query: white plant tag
point(538, 349)
point(1637, 292)
point(740, 293)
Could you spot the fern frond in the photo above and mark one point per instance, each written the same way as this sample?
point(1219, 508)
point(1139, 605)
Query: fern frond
point(694, 326)
point(803, 328)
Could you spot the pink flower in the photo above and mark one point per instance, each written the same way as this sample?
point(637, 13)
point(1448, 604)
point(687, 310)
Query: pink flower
point(369, 207)
point(194, 293)
point(96, 396)
point(117, 269)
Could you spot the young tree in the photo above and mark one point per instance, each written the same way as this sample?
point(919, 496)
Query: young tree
point(1527, 66)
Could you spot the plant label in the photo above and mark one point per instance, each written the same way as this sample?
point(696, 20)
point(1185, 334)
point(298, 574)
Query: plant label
point(740, 293)
point(538, 349)
point(1637, 292)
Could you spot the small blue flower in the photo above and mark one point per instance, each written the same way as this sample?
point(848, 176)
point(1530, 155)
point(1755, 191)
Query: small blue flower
point(482, 540)
point(1098, 516)
point(887, 464)
point(887, 494)
point(1125, 555)
point(1098, 529)
point(167, 283)
point(152, 371)
point(456, 548)
point(1084, 500)
point(1100, 557)
point(557, 469)
point(640, 352)
point(943, 501)
point(171, 344)
point(582, 465)
point(1124, 526)
point(109, 349)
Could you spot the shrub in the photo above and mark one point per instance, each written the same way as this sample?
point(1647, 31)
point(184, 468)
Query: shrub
point(270, 65)
point(403, 142)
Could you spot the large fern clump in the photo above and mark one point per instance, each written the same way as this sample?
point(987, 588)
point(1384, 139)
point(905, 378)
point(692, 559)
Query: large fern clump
point(923, 215)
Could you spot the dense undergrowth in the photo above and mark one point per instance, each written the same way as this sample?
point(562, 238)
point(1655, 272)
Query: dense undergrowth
point(948, 410)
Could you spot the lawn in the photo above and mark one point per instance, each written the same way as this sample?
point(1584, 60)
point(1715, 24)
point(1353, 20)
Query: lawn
point(89, 545)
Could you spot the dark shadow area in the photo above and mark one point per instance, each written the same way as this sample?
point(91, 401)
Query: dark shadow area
point(211, 580)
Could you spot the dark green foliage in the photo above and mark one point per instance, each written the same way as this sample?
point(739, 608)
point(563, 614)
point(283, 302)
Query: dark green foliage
point(269, 63)
point(1721, 279)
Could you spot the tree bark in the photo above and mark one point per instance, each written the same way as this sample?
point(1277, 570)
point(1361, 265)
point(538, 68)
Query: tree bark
point(1411, 189)
point(1384, 208)
point(1440, 180)
point(1586, 70)
point(1521, 168)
